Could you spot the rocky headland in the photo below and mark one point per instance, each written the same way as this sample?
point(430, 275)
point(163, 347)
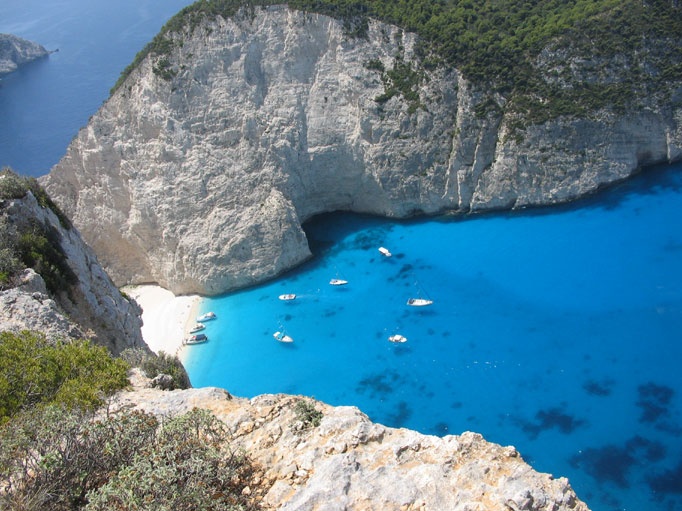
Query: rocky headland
point(15, 51)
point(348, 462)
point(199, 170)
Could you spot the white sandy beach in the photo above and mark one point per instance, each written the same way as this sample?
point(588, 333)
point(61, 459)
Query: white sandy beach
point(166, 318)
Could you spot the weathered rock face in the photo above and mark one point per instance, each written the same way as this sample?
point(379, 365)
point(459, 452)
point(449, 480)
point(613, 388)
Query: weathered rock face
point(93, 308)
point(15, 51)
point(199, 181)
point(348, 462)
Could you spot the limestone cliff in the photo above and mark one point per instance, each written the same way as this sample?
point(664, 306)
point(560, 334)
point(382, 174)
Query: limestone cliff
point(91, 308)
point(15, 51)
point(348, 462)
point(198, 171)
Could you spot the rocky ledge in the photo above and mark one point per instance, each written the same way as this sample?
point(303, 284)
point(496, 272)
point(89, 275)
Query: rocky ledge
point(15, 51)
point(348, 462)
point(200, 169)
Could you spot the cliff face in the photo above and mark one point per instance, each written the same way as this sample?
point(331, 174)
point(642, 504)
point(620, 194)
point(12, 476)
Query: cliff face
point(348, 462)
point(199, 170)
point(92, 308)
point(15, 51)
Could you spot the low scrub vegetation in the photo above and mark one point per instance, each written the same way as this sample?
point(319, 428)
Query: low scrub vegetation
point(60, 451)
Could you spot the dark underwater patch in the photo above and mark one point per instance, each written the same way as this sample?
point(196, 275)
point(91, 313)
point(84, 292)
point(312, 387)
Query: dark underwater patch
point(667, 481)
point(608, 464)
point(400, 416)
point(654, 401)
point(612, 463)
point(596, 388)
point(441, 429)
point(379, 385)
point(551, 418)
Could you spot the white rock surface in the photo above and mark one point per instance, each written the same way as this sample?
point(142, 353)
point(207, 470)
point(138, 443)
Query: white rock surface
point(350, 463)
point(200, 183)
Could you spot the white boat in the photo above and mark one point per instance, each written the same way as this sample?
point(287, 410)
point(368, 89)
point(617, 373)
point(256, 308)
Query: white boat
point(282, 337)
point(397, 338)
point(197, 328)
point(419, 302)
point(338, 282)
point(385, 251)
point(207, 317)
point(195, 339)
point(287, 297)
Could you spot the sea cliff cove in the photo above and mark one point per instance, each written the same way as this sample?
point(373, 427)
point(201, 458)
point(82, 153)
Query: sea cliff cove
point(343, 255)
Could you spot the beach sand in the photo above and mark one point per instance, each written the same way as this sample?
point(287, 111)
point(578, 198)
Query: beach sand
point(166, 318)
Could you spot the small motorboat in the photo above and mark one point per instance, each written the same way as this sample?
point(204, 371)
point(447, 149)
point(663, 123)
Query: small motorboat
point(196, 339)
point(338, 282)
point(419, 302)
point(197, 328)
point(397, 338)
point(282, 337)
point(207, 317)
point(385, 251)
point(287, 297)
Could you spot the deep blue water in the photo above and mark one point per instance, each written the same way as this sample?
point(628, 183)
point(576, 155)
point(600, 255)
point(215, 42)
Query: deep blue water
point(556, 331)
point(45, 103)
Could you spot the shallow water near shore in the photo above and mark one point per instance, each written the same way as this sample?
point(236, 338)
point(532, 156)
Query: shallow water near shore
point(556, 331)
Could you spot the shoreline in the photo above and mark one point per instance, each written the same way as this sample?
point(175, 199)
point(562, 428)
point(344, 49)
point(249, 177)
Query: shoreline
point(166, 318)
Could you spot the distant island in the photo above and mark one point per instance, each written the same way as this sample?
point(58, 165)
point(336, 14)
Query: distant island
point(15, 51)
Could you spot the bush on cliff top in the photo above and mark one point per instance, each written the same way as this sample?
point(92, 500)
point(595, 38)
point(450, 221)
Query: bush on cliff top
point(56, 459)
point(70, 373)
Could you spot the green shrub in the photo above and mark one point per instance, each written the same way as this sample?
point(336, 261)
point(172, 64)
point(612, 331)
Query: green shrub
point(51, 457)
point(167, 364)
point(39, 247)
point(70, 373)
point(307, 414)
point(186, 468)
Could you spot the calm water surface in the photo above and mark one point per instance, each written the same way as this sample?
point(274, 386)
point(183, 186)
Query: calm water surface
point(44, 104)
point(558, 332)
point(555, 331)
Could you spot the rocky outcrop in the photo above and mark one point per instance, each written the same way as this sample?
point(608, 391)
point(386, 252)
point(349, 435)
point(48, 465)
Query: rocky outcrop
point(15, 51)
point(348, 462)
point(91, 308)
point(198, 172)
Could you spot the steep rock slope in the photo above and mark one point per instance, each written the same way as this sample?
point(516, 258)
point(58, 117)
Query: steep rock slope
point(199, 170)
point(15, 51)
point(348, 462)
point(90, 308)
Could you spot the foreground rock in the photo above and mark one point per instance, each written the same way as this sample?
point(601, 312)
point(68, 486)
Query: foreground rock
point(91, 308)
point(198, 172)
point(348, 462)
point(15, 51)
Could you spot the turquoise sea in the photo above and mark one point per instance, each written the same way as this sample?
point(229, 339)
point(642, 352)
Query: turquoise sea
point(558, 331)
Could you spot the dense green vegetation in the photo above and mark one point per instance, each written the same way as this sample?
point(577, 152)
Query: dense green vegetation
point(59, 459)
point(34, 244)
point(34, 372)
point(59, 452)
point(496, 44)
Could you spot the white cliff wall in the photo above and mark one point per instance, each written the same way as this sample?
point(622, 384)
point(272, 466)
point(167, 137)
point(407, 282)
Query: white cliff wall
point(200, 183)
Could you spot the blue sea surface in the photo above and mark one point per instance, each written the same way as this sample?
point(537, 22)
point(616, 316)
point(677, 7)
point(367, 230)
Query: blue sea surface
point(557, 331)
point(46, 102)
